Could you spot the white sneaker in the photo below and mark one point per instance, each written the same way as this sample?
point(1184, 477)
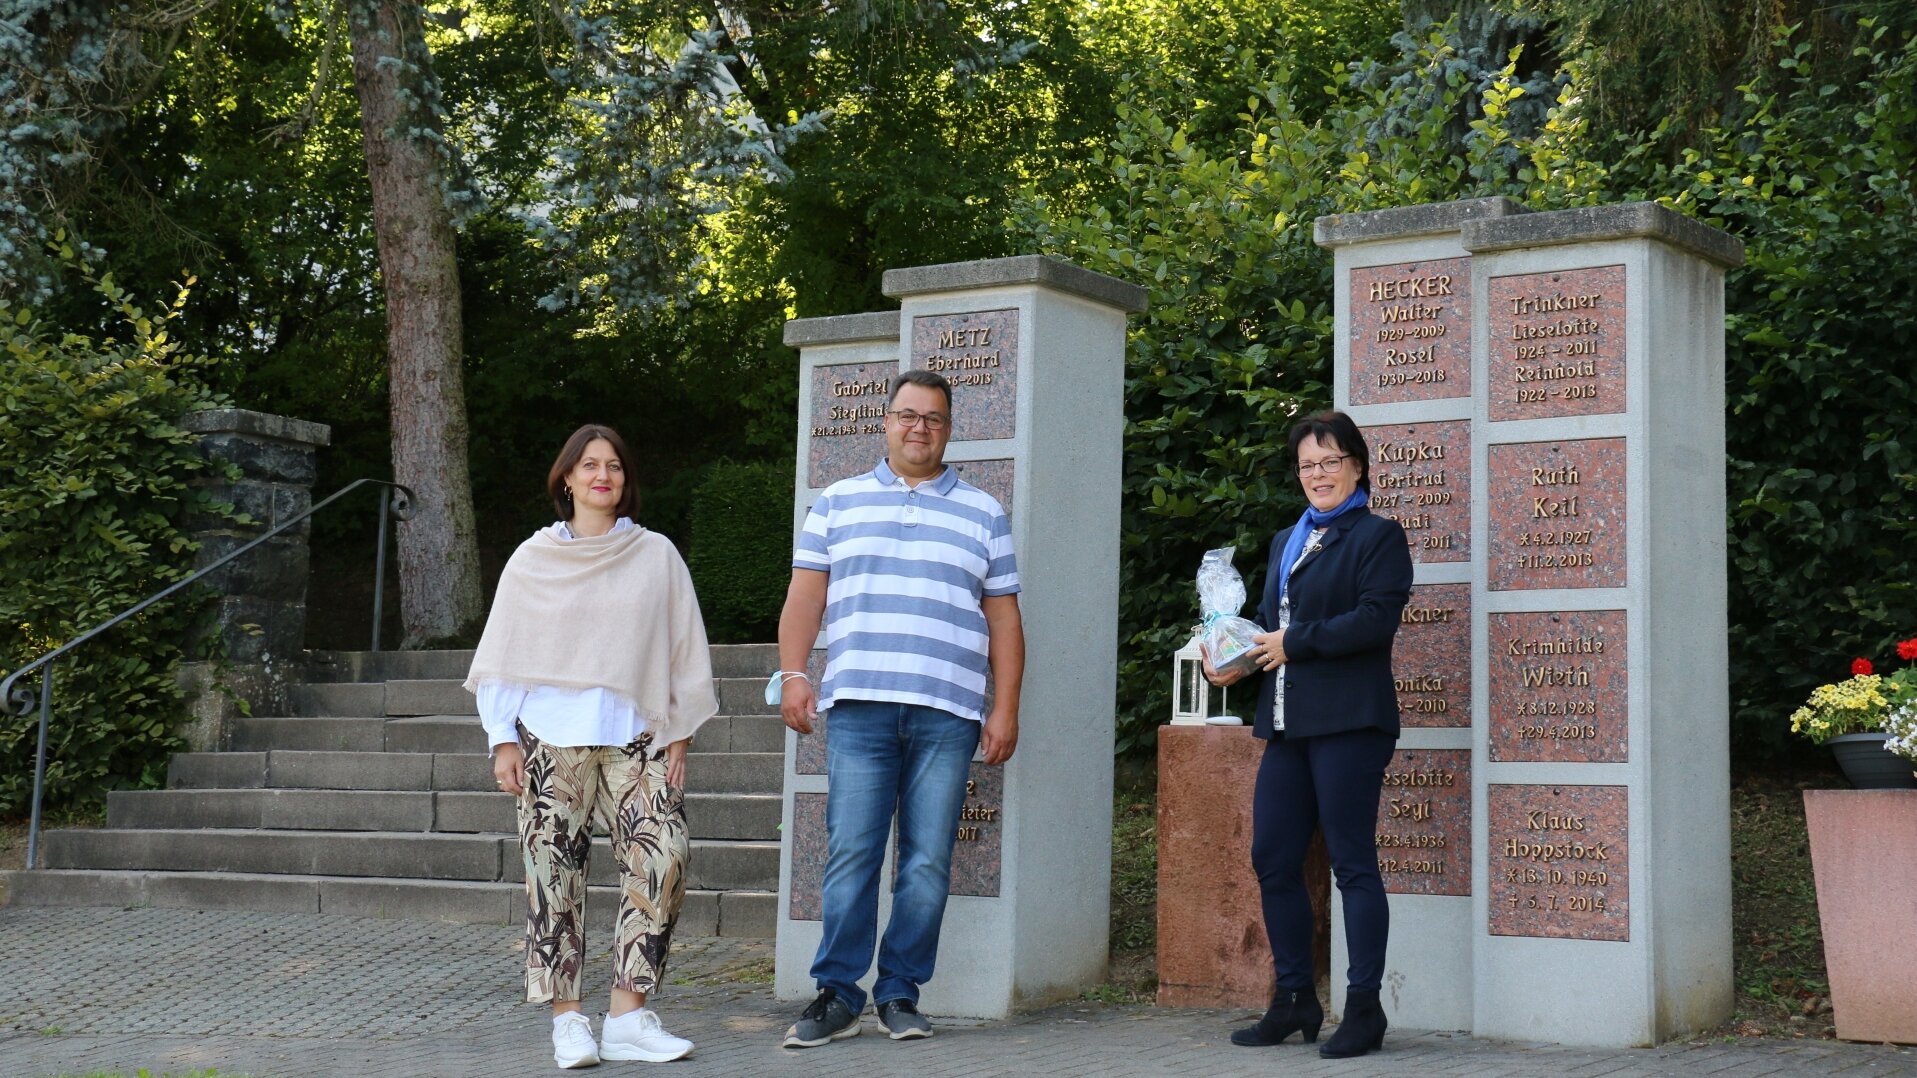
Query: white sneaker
point(638, 1035)
point(572, 1043)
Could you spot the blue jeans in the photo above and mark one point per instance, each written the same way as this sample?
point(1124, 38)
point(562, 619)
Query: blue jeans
point(881, 758)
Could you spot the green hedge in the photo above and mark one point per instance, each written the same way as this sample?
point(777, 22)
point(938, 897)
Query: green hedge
point(741, 549)
point(95, 482)
point(1816, 178)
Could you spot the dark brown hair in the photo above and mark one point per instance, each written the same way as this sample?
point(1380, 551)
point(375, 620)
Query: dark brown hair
point(921, 377)
point(568, 459)
point(1335, 428)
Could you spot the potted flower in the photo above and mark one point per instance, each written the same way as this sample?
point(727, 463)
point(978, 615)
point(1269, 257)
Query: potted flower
point(1855, 718)
point(1862, 855)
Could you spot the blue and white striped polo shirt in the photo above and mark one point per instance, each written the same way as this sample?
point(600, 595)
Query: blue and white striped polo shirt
point(908, 567)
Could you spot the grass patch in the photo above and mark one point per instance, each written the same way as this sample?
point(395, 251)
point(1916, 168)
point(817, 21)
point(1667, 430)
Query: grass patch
point(1777, 946)
point(1134, 949)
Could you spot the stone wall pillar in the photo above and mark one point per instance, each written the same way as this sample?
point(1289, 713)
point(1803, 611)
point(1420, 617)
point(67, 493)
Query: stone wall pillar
point(261, 621)
point(1542, 396)
point(1035, 350)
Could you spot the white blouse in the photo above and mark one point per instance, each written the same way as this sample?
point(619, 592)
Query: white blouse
point(564, 717)
point(1284, 622)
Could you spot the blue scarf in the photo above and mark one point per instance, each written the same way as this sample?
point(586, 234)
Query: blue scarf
point(1310, 522)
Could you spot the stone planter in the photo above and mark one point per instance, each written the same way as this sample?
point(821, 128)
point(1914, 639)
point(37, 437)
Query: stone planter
point(1864, 854)
point(1870, 766)
point(1212, 950)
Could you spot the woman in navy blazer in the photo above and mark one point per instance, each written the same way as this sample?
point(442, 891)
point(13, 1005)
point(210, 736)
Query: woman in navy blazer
point(1335, 586)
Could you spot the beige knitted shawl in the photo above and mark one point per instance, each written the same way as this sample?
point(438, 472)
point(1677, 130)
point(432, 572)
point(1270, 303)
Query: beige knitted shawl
point(613, 612)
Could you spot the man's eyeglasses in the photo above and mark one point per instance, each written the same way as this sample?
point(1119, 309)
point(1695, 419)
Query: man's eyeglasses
point(909, 418)
point(1329, 465)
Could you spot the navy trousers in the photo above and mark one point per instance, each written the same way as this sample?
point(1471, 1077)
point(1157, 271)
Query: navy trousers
point(1331, 782)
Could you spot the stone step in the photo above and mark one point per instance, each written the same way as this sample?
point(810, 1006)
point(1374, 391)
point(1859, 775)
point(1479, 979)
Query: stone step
point(731, 816)
point(716, 864)
point(745, 661)
point(405, 698)
point(741, 733)
point(295, 769)
point(379, 666)
point(728, 660)
point(342, 698)
point(459, 734)
point(705, 913)
point(253, 734)
point(737, 696)
point(323, 770)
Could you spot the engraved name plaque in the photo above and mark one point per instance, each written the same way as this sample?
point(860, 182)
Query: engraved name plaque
point(1556, 515)
point(1559, 862)
point(1424, 823)
point(1556, 343)
point(978, 353)
point(1421, 478)
point(1431, 658)
point(848, 420)
point(1558, 686)
point(1410, 331)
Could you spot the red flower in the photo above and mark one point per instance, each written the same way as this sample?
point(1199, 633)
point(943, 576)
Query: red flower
point(1860, 667)
point(1907, 649)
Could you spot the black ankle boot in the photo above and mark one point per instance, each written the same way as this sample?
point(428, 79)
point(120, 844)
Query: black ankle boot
point(1362, 1030)
point(1290, 1012)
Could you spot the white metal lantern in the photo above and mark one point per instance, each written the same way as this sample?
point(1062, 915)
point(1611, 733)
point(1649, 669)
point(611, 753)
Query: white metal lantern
point(1191, 693)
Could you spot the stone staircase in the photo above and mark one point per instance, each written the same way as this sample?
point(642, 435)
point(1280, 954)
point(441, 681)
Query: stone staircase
point(376, 798)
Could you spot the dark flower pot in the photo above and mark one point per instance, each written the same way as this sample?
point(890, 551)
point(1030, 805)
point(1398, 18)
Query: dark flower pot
point(1870, 766)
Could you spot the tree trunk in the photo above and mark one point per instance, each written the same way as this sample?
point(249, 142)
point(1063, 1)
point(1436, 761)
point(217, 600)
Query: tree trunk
point(438, 550)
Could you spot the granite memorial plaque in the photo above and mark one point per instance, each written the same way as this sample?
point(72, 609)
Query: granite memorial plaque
point(1558, 686)
point(1556, 515)
point(1410, 331)
point(993, 476)
point(1421, 478)
point(1556, 343)
point(809, 758)
point(1424, 823)
point(1431, 659)
point(1559, 863)
point(978, 353)
point(808, 855)
point(848, 420)
point(979, 852)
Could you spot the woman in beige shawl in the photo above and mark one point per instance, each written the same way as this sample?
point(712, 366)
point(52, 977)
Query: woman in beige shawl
point(591, 677)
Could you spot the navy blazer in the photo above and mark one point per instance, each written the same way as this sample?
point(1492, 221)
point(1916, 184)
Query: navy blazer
point(1346, 599)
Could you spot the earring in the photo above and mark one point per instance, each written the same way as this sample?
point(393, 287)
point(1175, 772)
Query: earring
point(569, 494)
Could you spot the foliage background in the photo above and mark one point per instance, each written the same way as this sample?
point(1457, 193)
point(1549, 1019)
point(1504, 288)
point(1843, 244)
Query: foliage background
point(97, 486)
point(1183, 144)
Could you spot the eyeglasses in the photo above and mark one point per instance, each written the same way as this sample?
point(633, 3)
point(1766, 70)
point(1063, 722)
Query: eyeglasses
point(1329, 465)
point(909, 418)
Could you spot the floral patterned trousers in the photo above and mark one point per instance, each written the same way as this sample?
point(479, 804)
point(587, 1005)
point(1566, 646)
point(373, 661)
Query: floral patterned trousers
point(623, 787)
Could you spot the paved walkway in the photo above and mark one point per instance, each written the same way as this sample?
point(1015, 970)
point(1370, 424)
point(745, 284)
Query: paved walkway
point(292, 995)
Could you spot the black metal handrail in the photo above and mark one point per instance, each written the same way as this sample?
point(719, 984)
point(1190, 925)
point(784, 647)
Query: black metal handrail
point(395, 501)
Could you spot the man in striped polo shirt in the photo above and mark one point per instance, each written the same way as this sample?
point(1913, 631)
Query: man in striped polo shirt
point(912, 571)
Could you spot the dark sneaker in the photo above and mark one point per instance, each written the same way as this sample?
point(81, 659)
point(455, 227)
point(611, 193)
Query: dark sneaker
point(827, 1019)
point(902, 1020)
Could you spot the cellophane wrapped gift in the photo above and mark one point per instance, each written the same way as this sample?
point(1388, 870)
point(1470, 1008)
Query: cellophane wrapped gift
point(1221, 594)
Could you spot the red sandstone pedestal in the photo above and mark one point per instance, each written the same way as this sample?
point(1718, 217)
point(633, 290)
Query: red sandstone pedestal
point(1864, 853)
point(1212, 950)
